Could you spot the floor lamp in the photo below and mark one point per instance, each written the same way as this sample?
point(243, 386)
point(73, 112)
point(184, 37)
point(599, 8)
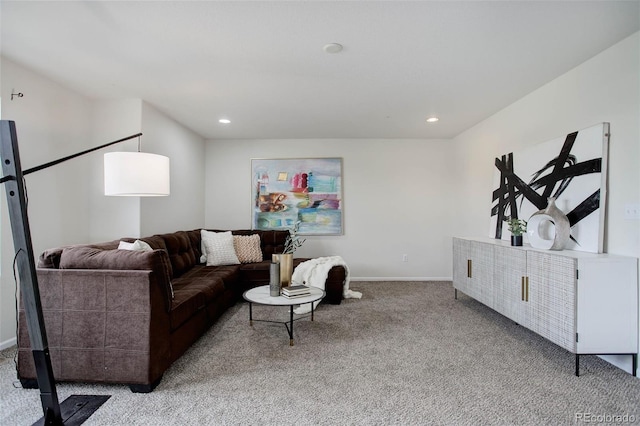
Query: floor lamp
point(154, 181)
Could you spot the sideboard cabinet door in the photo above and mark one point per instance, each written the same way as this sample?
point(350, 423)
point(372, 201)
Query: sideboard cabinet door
point(473, 269)
point(509, 279)
point(607, 305)
point(551, 306)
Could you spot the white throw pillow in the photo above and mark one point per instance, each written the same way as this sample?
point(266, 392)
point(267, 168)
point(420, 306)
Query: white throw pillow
point(219, 248)
point(137, 245)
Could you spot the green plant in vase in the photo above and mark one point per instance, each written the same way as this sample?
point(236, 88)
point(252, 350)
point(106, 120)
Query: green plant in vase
point(293, 241)
point(517, 227)
point(291, 244)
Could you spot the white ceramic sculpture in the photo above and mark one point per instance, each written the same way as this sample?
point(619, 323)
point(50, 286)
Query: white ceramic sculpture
point(549, 228)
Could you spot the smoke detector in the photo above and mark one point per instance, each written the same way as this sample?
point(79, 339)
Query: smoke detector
point(333, 48)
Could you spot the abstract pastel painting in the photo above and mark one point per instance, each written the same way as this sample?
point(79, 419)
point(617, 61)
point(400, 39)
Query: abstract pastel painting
point(572, 169)
point(287, 190)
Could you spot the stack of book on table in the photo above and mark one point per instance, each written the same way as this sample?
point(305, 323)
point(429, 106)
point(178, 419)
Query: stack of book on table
point(295, 291)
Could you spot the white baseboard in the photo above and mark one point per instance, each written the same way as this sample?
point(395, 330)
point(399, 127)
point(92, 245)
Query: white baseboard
point(400, 279)
point(8, 343)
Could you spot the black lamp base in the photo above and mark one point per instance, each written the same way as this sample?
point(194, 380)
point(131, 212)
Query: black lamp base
point(76, 409)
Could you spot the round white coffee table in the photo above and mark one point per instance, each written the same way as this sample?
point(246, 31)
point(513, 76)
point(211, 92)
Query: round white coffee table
point(261, 296)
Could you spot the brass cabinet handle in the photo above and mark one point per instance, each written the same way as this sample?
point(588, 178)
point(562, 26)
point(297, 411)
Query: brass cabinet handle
point(524, 289)
point(469, 268)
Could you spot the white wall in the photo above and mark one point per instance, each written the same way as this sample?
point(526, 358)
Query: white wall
point(605, 88)
point(184, 208)
point(396, 200)
point(113, 217)
point(51, 122)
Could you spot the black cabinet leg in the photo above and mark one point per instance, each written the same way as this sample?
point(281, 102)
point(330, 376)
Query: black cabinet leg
point(577, 365)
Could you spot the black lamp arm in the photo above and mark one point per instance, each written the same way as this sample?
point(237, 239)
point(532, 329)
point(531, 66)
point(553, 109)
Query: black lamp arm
point(69, 157)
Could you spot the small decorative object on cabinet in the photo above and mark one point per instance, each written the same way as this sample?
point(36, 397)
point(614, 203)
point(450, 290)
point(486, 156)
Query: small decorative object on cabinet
point(586, 303)
point(516, 227)
point(549, 228)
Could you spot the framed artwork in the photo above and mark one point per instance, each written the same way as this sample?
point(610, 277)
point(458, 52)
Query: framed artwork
point(572, 169)
point(287, 190)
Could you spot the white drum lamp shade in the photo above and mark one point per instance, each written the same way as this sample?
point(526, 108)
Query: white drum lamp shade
point(136, 174)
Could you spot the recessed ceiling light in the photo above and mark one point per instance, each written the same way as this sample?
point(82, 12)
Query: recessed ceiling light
point(224, 121)
point(432, 119)
point(332, 48)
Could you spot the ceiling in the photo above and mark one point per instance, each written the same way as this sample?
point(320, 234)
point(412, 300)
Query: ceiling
point(262, 65)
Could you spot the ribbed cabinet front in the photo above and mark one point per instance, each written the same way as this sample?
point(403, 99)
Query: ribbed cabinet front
point(473, 269)
point(552, 297)
point(584, 302)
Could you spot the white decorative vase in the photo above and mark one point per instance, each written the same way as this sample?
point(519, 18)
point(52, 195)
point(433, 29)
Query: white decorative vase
point(549, 228)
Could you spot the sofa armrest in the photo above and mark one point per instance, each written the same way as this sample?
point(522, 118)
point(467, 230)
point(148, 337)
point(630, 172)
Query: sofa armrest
point(334, 286)
point(87, 257)
point(102, 326)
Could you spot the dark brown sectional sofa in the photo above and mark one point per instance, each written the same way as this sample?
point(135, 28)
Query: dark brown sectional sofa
point(118, 316)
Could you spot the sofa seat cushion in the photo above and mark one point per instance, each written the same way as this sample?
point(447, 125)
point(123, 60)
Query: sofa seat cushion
point(229, 274)
point(186, 302)
point(192, 295)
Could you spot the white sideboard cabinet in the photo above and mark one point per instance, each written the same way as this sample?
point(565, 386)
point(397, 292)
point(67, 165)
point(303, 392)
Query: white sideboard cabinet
point(584, 302)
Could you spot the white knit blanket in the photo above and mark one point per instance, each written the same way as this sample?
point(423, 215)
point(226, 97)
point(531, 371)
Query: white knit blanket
point(314, 273)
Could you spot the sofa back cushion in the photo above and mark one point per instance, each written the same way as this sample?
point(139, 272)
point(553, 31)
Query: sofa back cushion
point(272, 242)
point(194, 239)
point(183, 247)
point(50, 258)
point(182, 254)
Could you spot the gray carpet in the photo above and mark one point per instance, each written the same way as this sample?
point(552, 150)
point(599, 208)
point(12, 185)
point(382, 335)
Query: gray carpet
point(406, 353)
